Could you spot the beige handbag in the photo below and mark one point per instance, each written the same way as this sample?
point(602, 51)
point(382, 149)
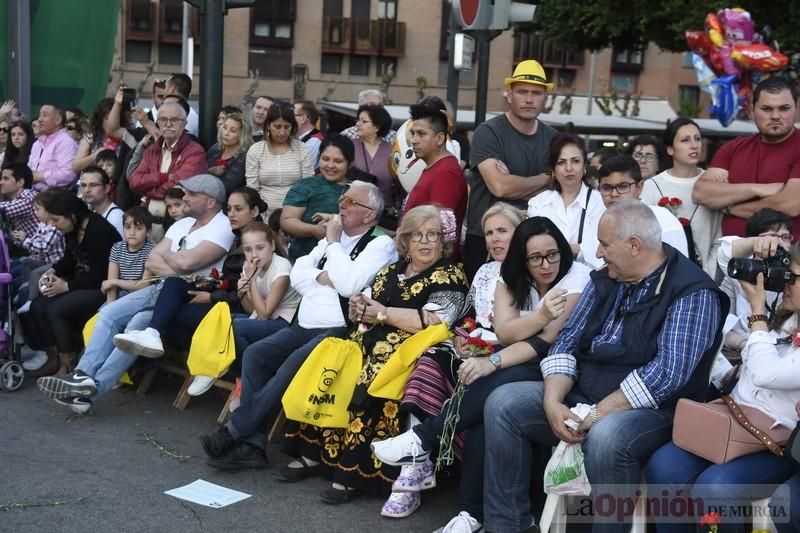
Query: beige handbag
point(721, 431)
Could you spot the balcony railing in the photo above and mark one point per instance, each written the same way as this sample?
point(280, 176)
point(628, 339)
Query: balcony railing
point(363, 37)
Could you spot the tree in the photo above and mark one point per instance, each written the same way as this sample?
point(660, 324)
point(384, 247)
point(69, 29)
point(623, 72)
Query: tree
point(598, 24)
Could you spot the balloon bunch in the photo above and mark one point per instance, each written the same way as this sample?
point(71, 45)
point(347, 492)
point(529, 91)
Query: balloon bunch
point(730, 57)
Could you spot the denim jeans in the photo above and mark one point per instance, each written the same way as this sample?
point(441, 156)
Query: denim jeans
point(470, 494)
point(614, 450)
point(101, 360)
point(738, 482)
point(268, 366)
point(249, 331)
point(793, 526)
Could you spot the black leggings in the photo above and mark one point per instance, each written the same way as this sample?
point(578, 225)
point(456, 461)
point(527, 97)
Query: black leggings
point(54, 321)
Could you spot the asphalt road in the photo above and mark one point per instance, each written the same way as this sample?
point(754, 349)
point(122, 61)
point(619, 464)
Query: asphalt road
point(63, 472)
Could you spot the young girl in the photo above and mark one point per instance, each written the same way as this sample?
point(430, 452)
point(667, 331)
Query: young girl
point(127, 258)
point(173, 198)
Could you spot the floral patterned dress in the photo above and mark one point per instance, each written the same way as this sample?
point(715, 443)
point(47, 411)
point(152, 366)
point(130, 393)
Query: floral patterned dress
point(442, 288)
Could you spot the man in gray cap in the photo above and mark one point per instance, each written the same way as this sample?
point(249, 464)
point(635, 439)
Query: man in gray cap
point(192, 245)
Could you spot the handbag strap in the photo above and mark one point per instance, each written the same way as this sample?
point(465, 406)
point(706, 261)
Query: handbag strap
point(583, 215)
point(765, 439)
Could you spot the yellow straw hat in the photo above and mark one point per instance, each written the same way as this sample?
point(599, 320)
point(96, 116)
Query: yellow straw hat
point(529, 71)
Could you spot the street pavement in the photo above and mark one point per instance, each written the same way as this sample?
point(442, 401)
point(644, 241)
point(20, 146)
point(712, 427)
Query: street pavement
point(63, 472)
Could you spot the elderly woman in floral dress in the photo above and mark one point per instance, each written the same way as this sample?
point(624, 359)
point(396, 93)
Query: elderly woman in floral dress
point(424, 288)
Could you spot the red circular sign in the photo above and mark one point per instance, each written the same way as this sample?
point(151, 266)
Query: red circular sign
point(469, 11)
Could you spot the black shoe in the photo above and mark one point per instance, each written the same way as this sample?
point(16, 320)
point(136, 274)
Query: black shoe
point(293, 475)
point(216, 444)
point(75, 385)
point(336, 496)
point(244, 455)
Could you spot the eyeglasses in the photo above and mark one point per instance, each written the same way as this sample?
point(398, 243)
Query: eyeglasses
point(4, 130)
point(785, 237)
point(621, 188)
point(538, 260)
point(89, 185)
point(430, 236)
point(169, 121)
point(182, 243)
point(642, 156)
point(349, 202)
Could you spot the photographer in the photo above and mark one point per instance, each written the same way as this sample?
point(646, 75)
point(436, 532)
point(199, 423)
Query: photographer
point(766, 231)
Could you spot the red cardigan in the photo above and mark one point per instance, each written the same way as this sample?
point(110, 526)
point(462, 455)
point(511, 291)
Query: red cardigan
point(188, 159)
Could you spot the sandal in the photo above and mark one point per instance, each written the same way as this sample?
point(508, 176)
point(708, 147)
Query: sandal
point(338, 496)
point(293, 475)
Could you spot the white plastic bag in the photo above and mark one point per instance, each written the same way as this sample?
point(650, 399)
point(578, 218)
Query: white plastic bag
point(565, 472)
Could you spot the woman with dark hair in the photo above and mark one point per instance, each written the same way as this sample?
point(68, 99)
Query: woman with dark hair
point(540, 286)
point(373, 153)
point(648, 151)
point(273, 165)
point(20, 142)
point(573, 206)
point(70, 291)
point(685, 149)
point(312, 202)
point(101, 136)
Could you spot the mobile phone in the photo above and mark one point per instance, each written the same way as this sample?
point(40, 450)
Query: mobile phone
point(128, 98)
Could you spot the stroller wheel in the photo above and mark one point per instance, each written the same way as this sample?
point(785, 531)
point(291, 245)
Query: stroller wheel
point(11, 376)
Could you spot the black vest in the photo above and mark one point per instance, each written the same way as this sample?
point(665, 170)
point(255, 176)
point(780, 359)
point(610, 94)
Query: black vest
point(602, 369)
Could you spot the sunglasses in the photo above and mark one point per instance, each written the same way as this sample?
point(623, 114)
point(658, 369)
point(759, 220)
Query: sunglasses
point(4, 130)
point(70, 127)
point(349, 202)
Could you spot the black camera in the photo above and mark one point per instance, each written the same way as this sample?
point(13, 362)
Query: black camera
point(775, 269)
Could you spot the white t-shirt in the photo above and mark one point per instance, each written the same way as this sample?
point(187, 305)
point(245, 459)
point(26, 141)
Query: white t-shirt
point(574, 282)
point(568, 217)
point(218, 231)
point(115, 216)
point(706, 223)
point(278, 268)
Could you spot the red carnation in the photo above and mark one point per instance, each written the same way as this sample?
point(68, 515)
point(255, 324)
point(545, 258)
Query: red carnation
point(469, 324)
point(684, 221)
point(710, 519)
point(663, 201)
point(796, 339)
point(215, 273)
point(225, 284)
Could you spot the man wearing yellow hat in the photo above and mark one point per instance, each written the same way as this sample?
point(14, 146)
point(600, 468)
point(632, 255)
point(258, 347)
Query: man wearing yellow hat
point(509, 156)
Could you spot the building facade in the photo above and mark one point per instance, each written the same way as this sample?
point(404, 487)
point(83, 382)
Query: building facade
point(332, 49)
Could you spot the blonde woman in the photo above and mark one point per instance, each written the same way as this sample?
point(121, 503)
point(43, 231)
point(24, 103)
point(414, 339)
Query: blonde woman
point(226, 159)
point(276, 163)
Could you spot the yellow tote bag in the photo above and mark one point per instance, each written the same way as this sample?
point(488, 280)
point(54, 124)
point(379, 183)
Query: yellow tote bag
point(213, 348)
point(322, 389)
point(391, 380)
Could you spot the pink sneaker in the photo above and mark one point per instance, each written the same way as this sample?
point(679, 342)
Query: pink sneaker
point(414, 478)
point(401, 504)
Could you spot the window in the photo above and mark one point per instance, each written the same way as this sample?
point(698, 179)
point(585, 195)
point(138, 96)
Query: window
point(623, 83)
point(628, 60)
point(689, 94)
point(359, 65)
point(331, 64)
point(382, 63)
point(141, 19)
point(137, 52)
point(272, 63)
point(170, 54)
point(156, 24)
point(566, 78)
point(272, 23)
point(444, 32)
point(387, 9)
point(332, 8)
point(687, 60)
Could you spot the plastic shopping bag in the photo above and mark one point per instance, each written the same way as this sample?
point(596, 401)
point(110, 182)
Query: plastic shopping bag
point(565, 472)
point(322, 389)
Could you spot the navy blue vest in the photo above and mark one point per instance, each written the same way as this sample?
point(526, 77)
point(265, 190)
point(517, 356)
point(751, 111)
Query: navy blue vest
point(601, 370)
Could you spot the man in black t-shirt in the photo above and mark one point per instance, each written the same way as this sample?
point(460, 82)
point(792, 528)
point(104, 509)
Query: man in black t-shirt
point(509, 156)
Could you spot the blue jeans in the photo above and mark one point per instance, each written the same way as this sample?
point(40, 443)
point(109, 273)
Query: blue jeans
point(614, 451)
point(738, 482)
point(268, 366)
point(249, 331)
point(793, 526)
point(101, 360)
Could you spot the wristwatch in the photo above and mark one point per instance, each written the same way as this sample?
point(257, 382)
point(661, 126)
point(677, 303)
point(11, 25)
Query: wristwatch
point(495, 360)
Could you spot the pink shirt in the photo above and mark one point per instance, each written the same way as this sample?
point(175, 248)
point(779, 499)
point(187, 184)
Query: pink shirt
point(52, 155)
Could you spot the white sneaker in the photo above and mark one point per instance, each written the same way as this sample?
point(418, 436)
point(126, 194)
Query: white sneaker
point(32, 359)
point(25, 308)
point(200, 385)
point(401, 504)
point(415, 478)
point(404, 449)
point(463, 523)
point(140, 343)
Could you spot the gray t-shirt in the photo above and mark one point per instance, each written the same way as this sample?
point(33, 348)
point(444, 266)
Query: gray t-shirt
point(524, 155)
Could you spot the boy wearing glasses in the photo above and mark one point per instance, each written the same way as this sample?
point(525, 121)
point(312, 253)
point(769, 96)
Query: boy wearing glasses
point(619, 179)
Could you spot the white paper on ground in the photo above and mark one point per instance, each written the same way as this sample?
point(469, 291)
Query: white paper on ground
point(208, 494)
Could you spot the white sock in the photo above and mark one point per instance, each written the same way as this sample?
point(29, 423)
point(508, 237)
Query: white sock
point(412, 420)
point(153, 332)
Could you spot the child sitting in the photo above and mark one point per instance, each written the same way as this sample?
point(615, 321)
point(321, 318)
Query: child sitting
point(127, 258)
point(264, 292)
point(173, 199)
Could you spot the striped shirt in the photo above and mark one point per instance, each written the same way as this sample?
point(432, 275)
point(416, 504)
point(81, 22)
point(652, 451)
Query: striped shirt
point(688, 331)
point(131, 264)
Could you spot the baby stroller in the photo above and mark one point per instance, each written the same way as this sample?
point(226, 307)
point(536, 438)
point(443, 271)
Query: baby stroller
point(11, 371)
